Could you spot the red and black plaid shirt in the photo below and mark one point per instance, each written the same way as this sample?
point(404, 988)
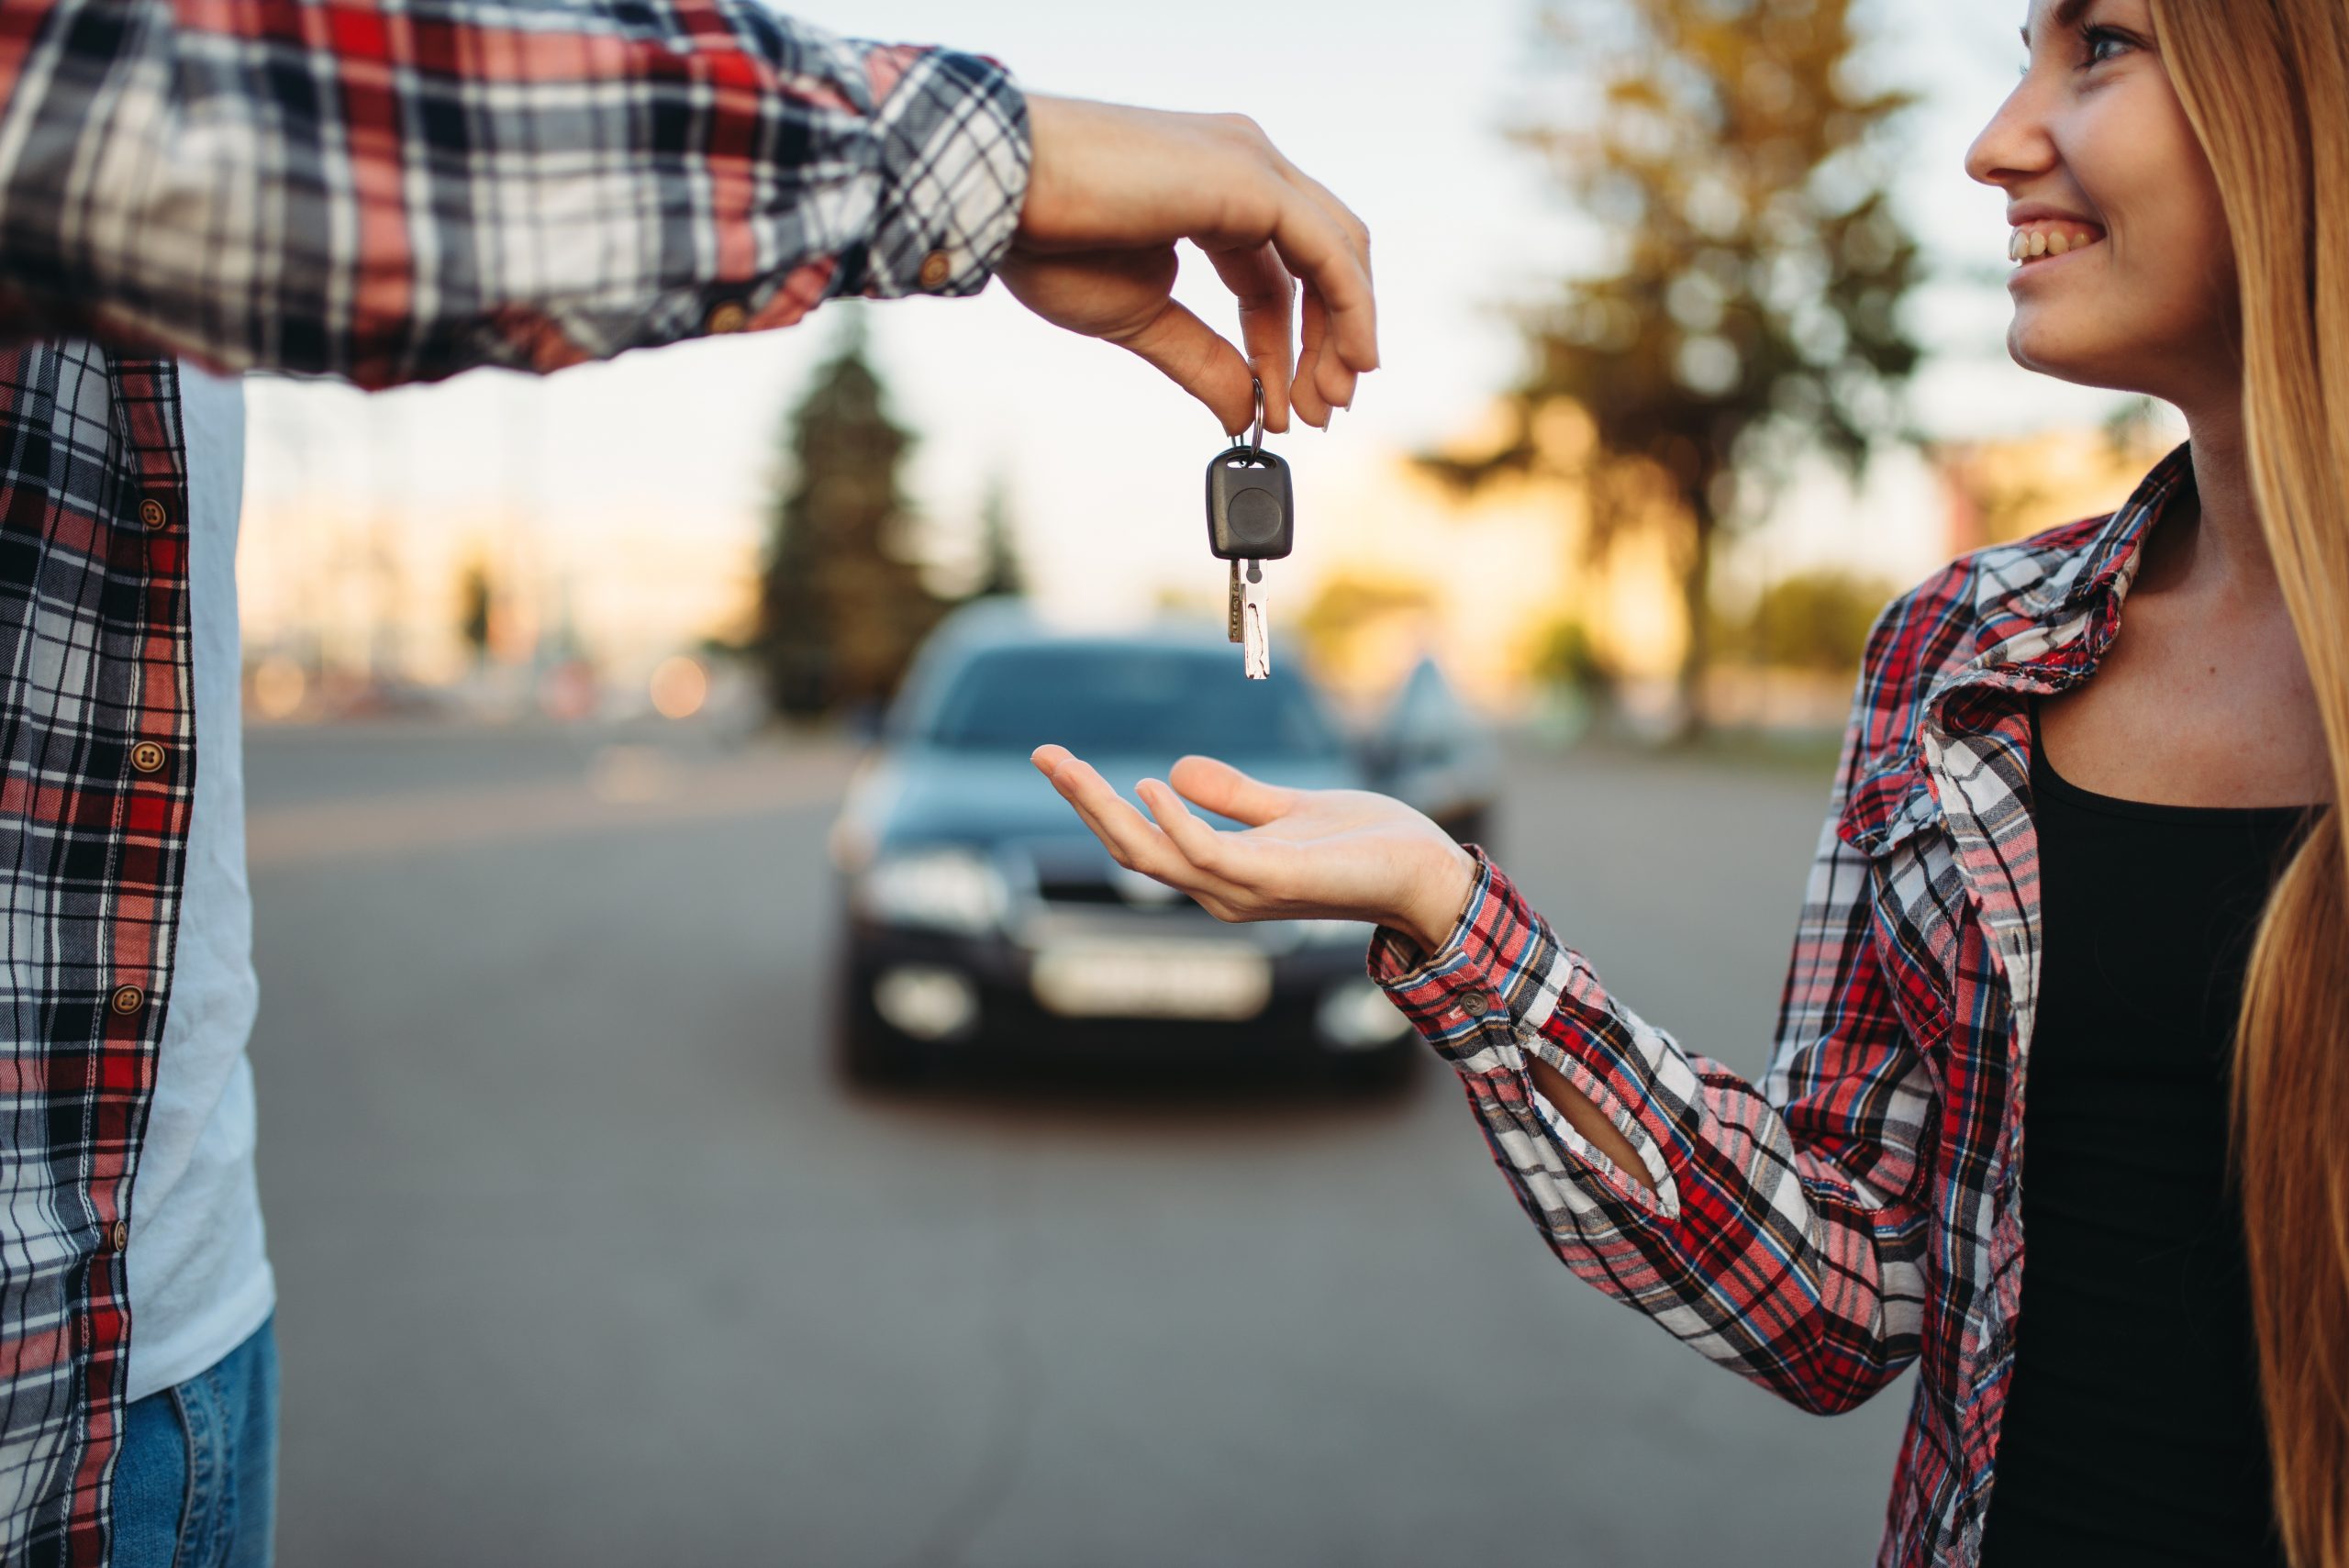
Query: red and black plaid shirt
point(1855, 1211)
point(384, 190)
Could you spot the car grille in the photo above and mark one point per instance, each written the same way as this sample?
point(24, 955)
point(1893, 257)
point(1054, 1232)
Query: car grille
point(1076, 890)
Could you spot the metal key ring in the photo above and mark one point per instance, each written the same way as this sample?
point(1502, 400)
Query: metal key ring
point(1256, 436)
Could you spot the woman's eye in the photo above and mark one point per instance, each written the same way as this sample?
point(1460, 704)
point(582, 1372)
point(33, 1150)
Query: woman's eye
point(2103, 44)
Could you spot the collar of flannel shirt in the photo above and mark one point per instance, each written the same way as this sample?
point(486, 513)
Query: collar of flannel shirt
point(2044, 612)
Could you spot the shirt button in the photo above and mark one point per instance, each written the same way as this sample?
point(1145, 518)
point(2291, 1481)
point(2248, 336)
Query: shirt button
point(935, 268)
point(1476, 1004)
point(147, 757)
point(121, 1235)
point(729, 316)
point(129, 1000)
point(154, 515)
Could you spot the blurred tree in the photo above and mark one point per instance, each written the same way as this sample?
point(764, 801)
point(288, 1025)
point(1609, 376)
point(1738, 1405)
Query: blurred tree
point(1811, 621)
point(1748, 303)
point(475, 596)
point(1566, 655)
point(840, 608)
point(1000, 573)
point(1348, 607)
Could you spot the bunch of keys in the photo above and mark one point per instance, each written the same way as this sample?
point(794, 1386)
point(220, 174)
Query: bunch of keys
point(1251, 520)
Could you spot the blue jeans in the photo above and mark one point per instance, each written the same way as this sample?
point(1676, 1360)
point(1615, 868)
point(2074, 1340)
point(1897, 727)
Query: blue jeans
point(196, 1482)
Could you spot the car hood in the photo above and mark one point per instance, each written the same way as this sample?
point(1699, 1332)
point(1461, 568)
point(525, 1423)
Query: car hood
point(917, 795)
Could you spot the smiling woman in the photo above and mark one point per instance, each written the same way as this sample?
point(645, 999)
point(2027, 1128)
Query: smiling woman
point(2093, 854)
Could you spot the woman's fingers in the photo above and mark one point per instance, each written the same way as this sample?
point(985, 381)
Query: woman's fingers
point(1132, 839)
point(1267, 299)
point(1219, 855)
point(1127, 833)
point(1216, 785)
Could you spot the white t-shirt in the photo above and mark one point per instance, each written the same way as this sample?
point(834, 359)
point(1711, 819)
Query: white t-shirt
point(199, 1272)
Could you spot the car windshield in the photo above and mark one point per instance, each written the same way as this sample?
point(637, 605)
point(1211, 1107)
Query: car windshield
point(1102, 700)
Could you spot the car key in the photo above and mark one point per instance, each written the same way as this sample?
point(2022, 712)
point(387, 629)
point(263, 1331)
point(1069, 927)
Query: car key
point(1250, 520)
point(1255, 637)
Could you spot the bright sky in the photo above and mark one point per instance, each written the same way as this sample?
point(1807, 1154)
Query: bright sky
point(661, 461)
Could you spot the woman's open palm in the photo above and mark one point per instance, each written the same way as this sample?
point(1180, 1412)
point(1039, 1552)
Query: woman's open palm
point(1341, 854)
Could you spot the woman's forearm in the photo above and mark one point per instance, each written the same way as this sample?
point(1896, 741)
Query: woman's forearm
point(1588, 1119)
point(1440, 896)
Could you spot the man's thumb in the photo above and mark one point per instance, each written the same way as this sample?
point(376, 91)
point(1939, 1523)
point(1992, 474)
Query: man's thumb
point(1201, 363)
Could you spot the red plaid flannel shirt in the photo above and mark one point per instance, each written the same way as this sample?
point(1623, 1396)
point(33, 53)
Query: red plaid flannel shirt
point(388, 191)
point(1857, 1210)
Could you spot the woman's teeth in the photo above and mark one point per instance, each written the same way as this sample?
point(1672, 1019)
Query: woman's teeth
point(2031, 244)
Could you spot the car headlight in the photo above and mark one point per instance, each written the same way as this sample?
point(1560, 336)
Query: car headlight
point(948, 890)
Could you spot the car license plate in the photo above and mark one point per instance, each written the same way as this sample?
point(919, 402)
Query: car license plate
point(1152, 980)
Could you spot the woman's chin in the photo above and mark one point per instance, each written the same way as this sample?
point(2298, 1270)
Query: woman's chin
point(2051, 348)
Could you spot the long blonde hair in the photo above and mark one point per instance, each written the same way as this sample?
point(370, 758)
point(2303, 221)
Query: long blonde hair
point(2266, 83)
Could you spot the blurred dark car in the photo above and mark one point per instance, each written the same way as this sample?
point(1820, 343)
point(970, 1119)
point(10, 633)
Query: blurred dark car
point(979, 914)
point(1431, 752)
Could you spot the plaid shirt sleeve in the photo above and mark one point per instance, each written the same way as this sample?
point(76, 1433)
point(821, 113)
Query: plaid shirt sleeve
point(397, 190)
point(1784, 1235)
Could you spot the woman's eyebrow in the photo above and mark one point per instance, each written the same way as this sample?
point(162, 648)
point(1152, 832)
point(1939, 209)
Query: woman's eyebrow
point(2065, 15)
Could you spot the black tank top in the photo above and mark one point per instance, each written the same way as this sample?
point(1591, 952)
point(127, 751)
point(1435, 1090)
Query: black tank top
point(2132, 1430)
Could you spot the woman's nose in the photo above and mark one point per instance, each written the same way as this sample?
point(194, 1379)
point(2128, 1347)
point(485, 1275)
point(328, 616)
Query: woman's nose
point(2016, 144)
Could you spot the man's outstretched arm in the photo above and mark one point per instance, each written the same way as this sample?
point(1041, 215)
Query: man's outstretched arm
point(396, 193)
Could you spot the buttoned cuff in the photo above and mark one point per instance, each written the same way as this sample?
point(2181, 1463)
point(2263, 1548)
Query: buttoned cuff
point(1450, 995)
point(951, 134)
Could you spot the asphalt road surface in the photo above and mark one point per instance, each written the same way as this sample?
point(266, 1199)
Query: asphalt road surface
point(586, 1258)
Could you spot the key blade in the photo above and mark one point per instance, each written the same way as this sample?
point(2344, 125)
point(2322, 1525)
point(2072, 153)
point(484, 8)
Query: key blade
point(1256, 638)
point(1231, 614)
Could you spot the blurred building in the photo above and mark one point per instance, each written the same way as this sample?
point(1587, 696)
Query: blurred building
point(358, 597)
point(1998, 491)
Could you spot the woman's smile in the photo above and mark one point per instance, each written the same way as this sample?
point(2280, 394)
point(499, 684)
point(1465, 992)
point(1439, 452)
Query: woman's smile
point(2046, 241)
point(2043, 232)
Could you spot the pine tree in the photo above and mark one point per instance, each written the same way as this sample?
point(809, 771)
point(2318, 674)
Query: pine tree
point(1000, 572)
point(841, 607)
point(1749, 304)
point(476, 601)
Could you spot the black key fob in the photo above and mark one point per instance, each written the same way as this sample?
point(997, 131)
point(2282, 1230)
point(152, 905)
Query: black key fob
point(1251, 510)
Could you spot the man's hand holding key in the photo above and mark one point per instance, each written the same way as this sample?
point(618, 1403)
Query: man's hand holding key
point(1112, 190)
